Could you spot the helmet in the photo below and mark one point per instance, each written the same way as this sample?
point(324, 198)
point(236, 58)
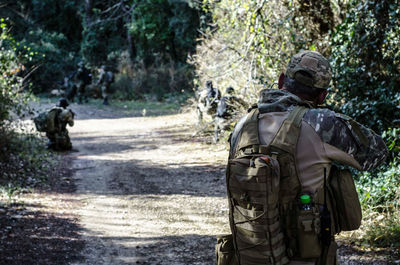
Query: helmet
point(229, 90)
point(63, 103)
point(310, 68)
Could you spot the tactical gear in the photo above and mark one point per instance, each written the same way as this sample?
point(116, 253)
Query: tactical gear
point(228, 106)
point(47, 121)
point(342, 200)
point(311, 69)
point(325, 137)
point(63, 103)
point(268, 218)
point(54, 122)
point(263, 190)
point(225, 251)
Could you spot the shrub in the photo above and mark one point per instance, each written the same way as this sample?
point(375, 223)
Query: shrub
point(11, 79)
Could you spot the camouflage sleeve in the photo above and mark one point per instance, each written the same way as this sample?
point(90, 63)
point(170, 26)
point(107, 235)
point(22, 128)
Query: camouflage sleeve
point(342, 132)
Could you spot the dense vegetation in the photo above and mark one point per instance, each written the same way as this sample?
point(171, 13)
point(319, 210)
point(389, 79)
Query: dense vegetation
point(159, 47)
point(145, 42)
point(251, 42)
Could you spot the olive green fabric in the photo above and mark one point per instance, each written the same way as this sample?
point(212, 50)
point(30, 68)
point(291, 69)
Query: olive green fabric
point(262, 183)
point(45, 121)
point(225, 251)
point(342, 200)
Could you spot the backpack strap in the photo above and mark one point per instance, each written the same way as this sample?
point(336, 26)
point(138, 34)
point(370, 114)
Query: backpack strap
point(249, 139)
point(288, 134)
point(285, 139)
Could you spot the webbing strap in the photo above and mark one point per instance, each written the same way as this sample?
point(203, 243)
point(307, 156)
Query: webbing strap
point(288, 134)
point(297, 115)
point(249, 133)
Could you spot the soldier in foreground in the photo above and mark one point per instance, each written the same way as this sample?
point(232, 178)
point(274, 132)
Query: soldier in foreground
point(54, 122)
point(105, 80)
point(287, 199)
point(208, 101)
point(228, 106)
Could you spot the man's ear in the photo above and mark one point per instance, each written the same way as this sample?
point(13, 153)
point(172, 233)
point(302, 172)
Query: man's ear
point(322, 97)
point(280, 80)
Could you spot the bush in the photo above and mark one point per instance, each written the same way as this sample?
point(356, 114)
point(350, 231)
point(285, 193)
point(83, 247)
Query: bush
point(24, 161)
point(11, 79)
point(134, 81)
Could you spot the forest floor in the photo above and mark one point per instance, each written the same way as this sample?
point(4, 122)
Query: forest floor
point(137, 190)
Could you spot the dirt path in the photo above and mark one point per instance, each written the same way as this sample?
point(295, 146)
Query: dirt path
point(146, 193)
point(150, 194)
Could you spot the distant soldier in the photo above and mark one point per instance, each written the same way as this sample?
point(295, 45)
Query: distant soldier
point(227, 107)
point(208, 101)
point(105, 79)
point(69, 88)
point(54, 122)
point(83, 78)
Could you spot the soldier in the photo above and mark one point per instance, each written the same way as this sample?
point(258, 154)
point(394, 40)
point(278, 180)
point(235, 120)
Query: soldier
point(288, 133)
point(105, 79)
point(82, 79)
point(208, 101)
point(69, 88)
point(227, 107)
point(54, 122)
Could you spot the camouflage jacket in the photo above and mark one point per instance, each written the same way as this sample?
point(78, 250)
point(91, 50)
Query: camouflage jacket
point(325, 137)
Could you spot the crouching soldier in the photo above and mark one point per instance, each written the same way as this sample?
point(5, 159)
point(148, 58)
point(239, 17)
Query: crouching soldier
point(208, 101)
point(54, 122)
point(228, 106)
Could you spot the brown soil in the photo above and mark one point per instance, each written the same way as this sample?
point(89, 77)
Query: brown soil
point(140, 190)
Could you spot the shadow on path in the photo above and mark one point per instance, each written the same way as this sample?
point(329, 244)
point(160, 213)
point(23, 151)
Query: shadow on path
point(37, 237)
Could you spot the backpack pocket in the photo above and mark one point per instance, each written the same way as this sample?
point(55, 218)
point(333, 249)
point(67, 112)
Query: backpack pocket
point(348, 206)
point(342, 200)
point(253, 190)
point(224, 250)
point(308, 230)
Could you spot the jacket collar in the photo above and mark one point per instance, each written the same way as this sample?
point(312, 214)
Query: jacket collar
point(274, 100)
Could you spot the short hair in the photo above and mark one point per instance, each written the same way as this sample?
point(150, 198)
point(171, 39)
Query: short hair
point(297, 88)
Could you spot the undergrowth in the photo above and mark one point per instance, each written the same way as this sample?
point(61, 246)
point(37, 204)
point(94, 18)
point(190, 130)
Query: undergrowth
point(25, 163)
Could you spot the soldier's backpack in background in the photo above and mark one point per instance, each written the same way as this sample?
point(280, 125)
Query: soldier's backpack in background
point(46, 120)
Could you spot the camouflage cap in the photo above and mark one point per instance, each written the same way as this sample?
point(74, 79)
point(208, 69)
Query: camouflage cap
point(317, 67)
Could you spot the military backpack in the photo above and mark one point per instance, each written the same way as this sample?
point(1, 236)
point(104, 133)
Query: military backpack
point(46, 121)
point(268, 223)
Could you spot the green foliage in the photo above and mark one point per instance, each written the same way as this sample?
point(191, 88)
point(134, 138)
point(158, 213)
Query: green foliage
point(134, 81)
point(383, 231)
point(101, 42)
point(52, 31)
point(52, 60)
point(250, 42)
point(11, 81)
point(163, 28)
point(24, 161)
point(365, 59)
